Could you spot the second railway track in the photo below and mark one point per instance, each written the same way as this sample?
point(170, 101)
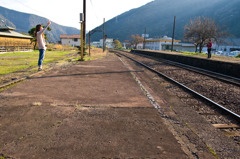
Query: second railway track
point(218, 93)
point(222, 93)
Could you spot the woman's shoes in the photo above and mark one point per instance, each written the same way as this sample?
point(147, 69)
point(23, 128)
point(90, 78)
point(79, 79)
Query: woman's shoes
point(40, 69)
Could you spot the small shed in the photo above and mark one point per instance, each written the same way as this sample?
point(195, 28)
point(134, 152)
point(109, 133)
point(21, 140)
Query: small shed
point(11, 40)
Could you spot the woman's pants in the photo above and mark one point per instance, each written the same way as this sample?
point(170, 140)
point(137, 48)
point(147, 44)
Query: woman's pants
point(41, 56)
point(209, 52)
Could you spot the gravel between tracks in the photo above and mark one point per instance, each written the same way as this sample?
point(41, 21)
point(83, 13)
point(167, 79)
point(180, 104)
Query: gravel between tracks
point(184, 110)
point(225, 94)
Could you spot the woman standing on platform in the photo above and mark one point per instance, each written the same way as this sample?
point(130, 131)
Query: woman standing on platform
point(39, 34)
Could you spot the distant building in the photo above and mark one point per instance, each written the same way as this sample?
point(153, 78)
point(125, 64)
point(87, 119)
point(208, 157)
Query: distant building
point(126, 44)
point(109, 43)
point(72, 40)
point(11, 41)
point(189, 47)
point(164, 43)
point(95, 44)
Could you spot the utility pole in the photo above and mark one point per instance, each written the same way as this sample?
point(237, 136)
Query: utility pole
point(144, 42)
point(173, 32)
point(84, 22)
point(81, 27)
point(103, 34)
point(91, 33)
point(89, 42)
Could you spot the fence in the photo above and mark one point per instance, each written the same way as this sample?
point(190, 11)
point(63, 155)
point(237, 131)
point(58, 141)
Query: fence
point(8, 44)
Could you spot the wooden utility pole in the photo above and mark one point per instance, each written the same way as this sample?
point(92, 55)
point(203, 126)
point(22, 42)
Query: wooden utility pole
point(84, 20)
point(144, 42)
point(173, 32)
point(89, 42)
point(103, 34)
point(91, 33)
point(82, 41)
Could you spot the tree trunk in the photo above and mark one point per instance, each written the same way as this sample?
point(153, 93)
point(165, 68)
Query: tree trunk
point(135, 47)
point(200, 47)
point(196, 46)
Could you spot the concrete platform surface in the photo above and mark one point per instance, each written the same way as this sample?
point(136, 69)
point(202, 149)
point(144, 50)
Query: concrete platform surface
point(92, 109)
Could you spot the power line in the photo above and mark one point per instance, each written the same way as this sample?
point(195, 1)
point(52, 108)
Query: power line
point(28, 7)
point(94, 9)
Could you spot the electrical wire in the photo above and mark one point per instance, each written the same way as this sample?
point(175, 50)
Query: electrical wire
point(43, 14)
point(94, 10)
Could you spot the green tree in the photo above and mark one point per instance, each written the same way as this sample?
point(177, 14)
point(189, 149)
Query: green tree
point(117, 44)
point(32, 33)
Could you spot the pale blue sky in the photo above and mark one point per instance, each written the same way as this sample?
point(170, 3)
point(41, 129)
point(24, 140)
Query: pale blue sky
point(66, 12)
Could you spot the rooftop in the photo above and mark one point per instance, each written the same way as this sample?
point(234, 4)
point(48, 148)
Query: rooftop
point(6, 31)
point(78, 36)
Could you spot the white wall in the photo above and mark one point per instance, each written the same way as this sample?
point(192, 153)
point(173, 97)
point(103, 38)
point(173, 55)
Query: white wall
point(71, 42)
point(109, 43)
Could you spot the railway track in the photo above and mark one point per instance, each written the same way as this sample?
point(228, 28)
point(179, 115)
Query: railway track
point(230, 105)
point(222, 77)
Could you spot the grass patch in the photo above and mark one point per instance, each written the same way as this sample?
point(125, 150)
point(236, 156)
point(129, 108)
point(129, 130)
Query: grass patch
point(191, 53)
point(213, 152)
point(12, 62)
point(96, 53)
point(37, 104)
point(18, 61)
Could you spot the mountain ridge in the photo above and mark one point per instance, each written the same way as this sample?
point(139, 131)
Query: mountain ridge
point(23, 22)
point(157, 17)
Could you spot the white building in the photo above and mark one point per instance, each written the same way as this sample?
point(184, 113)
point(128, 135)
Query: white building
point(95, 44)
point(109, 43)
point(72, 40)
point(164, 43)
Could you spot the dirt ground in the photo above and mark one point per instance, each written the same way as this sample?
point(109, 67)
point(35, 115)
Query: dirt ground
point(92, 109)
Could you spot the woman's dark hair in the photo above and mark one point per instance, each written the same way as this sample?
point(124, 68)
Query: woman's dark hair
point(38, 28)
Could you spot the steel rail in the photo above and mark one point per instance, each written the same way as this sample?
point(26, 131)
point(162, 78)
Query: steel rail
point(222, 77)
point(237, 116)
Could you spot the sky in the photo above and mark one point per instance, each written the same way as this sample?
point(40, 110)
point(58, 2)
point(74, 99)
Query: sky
point(67, 12)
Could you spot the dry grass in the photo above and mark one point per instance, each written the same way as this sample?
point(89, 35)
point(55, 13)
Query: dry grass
point(96, 53)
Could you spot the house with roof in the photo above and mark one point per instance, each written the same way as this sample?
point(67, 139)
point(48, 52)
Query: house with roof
point(99, 44)
point(11, 41)
point(165, 43)
point(72, 40)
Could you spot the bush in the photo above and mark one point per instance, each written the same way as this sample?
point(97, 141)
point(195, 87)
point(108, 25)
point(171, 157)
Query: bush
point(58, 47)
point(238, 56)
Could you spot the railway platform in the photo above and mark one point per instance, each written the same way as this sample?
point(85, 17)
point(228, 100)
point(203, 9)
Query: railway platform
point(92, 109)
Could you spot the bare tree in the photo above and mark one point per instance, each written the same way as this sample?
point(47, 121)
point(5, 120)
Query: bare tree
point(135, 40)
point(201, 29)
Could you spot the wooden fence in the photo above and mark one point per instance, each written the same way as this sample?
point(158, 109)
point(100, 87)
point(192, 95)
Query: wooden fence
point(8, 44)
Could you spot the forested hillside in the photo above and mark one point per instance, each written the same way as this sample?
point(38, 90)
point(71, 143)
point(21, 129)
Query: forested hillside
point(157, 17)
